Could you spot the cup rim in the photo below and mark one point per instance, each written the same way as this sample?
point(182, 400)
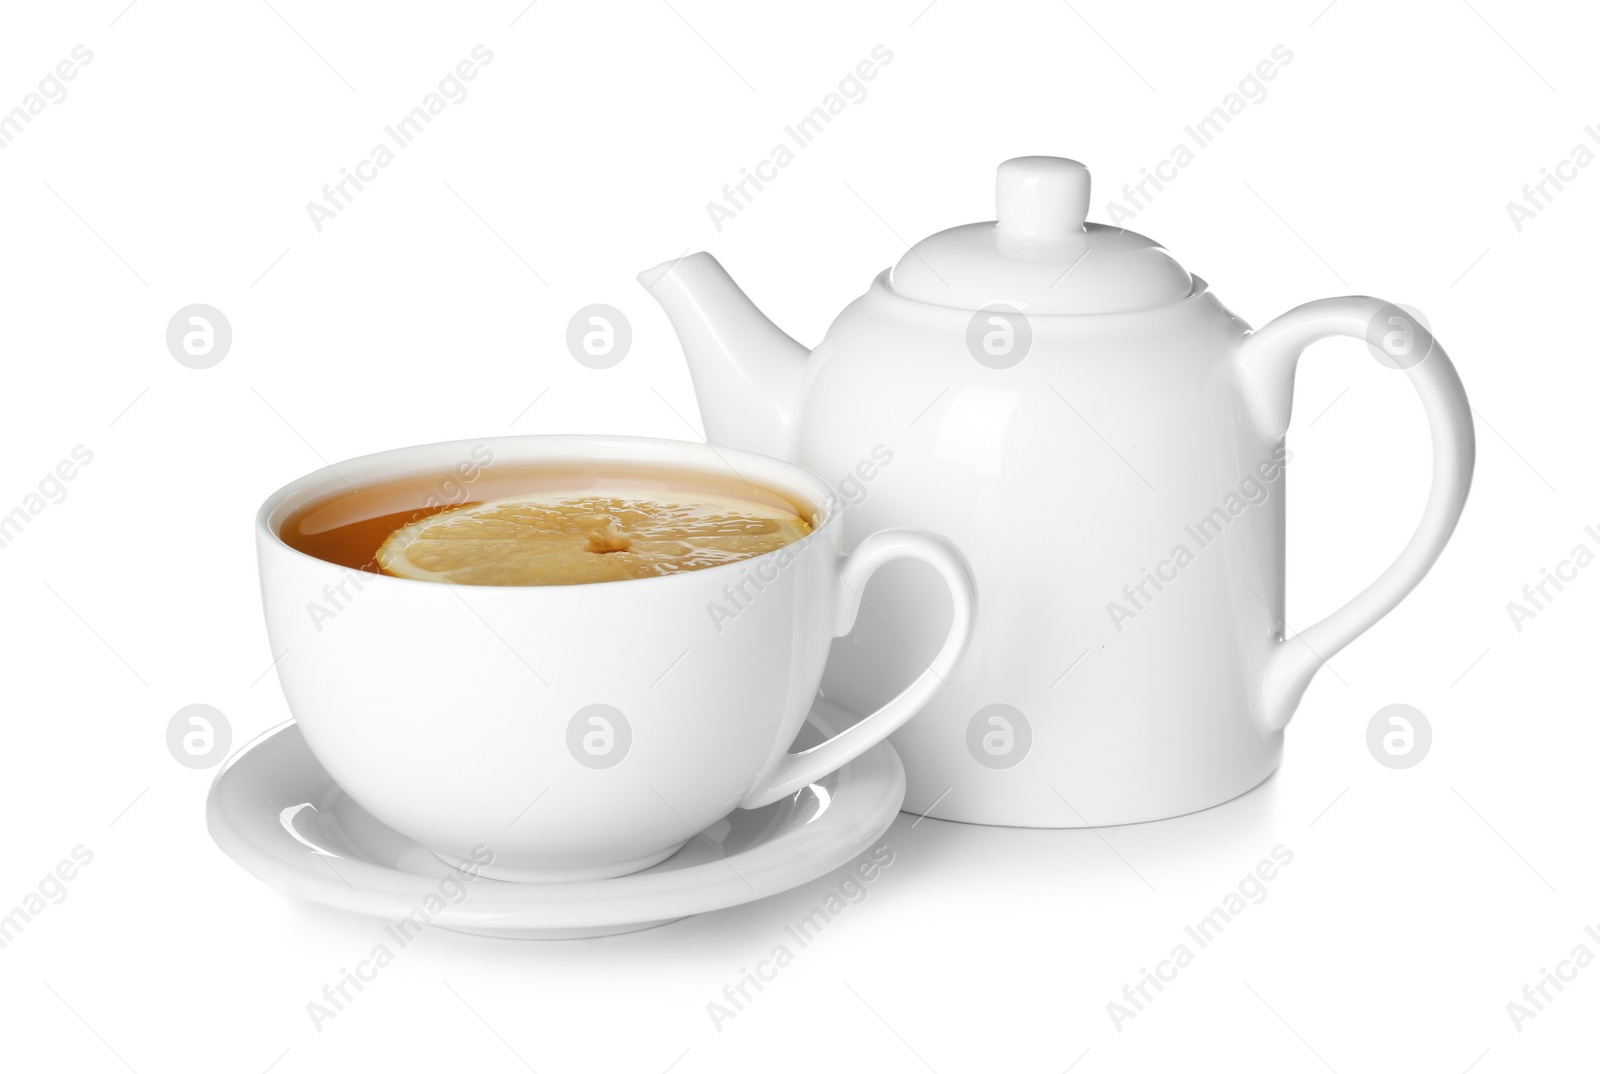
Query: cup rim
point(777, 475)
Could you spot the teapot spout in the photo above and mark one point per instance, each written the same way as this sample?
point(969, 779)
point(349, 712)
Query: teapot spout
point(747, 373)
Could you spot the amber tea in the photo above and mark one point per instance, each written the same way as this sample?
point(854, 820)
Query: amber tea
point(530, 524)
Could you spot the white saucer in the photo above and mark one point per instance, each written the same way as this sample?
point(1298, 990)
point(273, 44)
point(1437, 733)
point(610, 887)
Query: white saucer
point(275, 811)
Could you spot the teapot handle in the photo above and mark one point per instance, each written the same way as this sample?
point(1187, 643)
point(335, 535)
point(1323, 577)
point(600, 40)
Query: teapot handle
point(1265, 361)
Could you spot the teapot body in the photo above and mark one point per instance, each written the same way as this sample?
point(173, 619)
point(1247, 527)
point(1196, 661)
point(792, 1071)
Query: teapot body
point(1123, 516)
point(1108, 453)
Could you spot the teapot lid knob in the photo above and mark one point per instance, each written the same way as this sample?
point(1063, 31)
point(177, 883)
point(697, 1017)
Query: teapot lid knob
point(1041, 198)
point(1027, 258)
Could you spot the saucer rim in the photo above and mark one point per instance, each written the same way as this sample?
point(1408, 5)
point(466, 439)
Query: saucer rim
point(863, 803)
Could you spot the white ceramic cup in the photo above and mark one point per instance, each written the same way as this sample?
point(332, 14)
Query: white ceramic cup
point(578, 731)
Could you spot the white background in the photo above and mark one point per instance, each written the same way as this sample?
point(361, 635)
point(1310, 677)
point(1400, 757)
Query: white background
point(1419, 902)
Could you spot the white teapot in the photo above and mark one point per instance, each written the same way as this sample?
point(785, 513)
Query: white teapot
point(1104, 441)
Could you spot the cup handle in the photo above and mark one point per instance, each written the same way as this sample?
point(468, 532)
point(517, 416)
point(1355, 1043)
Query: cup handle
point(1265, 361)
point(798, 769)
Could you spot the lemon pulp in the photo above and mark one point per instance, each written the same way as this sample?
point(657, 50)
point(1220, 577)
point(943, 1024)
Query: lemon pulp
point(572, 537)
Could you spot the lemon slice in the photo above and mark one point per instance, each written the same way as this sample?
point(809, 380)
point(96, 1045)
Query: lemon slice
point(572, 537)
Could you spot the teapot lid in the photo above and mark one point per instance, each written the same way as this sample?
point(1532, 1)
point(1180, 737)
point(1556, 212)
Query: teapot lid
point(1040, 256)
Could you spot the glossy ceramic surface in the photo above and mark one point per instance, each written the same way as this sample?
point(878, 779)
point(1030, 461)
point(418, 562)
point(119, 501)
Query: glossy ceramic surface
point(1114, 475)
point(275, 810)
point(457, 714)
